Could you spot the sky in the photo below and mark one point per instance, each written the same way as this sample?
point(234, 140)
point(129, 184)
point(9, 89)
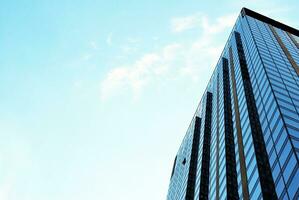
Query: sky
point(96, 96)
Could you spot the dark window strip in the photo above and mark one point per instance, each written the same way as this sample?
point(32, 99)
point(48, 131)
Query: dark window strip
point(173, 168)
point(193, 160)
point(293, 39)
point(246, 11)
point(231, 173)
point(217, 141)
point(264, 169)
point(205, 166)
point(284, 49)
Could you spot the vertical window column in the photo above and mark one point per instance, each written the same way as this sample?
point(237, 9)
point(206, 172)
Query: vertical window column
point(238, 129)
point(217, 141)
point(193, 161)
point(285, 50)
point(173, 168)
point(231, 173)
point(205, 166)
point(293, 39)
point(264, 169)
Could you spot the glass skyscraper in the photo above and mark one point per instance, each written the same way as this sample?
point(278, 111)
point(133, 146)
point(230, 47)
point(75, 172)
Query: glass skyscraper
point(243, 140)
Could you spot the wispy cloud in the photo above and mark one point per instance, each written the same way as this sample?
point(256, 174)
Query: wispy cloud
point(133, 40)
point(109, 39)
point(172, 61)
point(16, 159)
point(6, 189)
point(201, 21)
point(143, 71)
point(131, 45)
point(87, 56)
point(221, 23)
point(94, 45)
point(180, 24)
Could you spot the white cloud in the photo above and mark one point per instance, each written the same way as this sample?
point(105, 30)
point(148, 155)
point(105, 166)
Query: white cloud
point(87, 56)
point(180, 24)
point(133, 40)
point(132, 45)
point(172, 61)
point(109, 39)
point(221, 23)
point(6, 189)
point(16, 159)
point(140, 73)
point(201, 21)
point(94, 45)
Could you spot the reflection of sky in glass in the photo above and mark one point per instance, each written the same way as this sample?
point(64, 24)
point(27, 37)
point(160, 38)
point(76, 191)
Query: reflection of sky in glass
point(95, 97)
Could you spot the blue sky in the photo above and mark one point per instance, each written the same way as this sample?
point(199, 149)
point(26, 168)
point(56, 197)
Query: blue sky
point(96, 96)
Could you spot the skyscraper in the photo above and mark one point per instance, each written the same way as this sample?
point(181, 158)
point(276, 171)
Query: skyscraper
point(243, 140)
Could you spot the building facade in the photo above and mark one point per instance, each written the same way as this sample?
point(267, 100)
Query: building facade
point(243, 140)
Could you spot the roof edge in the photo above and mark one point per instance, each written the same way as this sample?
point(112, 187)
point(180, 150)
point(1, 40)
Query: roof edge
point(251, 13)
